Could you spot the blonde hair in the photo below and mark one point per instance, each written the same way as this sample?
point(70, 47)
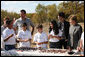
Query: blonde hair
point(73, 17)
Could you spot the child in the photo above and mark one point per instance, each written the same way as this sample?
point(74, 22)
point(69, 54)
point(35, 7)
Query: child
point(24, 37)
point(40, 38)
point(9, 36)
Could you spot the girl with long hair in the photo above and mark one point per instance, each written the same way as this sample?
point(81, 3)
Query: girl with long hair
point(54, 35)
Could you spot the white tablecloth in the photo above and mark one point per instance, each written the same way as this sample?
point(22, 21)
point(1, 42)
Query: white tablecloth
point(32, 53)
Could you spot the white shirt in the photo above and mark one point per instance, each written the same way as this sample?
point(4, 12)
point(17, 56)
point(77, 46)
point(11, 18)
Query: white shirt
point(55, 39)
point(6, 33)
point(60, 33)
point(82, 38)
point(2, 29)
point(41, 37)
point(2, 43)
point(24, 35)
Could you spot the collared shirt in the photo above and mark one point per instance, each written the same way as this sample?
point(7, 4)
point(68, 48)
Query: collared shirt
point(41, 37)
point(18, 23)
point(24, 35)
point(6, 33)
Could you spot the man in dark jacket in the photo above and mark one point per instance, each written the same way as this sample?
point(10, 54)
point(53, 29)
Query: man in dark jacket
point(64, 27)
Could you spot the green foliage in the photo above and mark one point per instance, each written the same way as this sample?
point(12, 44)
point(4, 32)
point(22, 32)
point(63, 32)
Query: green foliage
point(47, 13)
point(73, 7)
point(41, 12)
point(11, 15)
point(52, 12)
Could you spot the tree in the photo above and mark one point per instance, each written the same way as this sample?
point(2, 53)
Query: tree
point(52, 12)
point(11, 15)
point(41, 11)
point(72, 7)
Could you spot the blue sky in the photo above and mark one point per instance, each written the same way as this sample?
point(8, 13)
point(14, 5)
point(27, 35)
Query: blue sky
point(29, 6)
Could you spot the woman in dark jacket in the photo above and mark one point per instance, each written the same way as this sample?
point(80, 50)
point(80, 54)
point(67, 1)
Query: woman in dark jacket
point(75, 32)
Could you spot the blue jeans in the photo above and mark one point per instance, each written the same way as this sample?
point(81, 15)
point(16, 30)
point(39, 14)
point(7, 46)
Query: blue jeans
point(9, 47)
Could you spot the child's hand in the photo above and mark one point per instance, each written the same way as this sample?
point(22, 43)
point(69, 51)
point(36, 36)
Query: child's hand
point(26, 40)
point(39, 47)
point(11, 35)
point(39, 43)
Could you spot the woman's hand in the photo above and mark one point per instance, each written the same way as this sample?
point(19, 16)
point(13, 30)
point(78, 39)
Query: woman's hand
point(50, 36)
point(58, 37)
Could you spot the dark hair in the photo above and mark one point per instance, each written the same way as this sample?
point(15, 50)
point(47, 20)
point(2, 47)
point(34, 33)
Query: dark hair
point(24, 24)
point(62, 14)
point(23, 11)
point(39, 26)
point(55, 27)
point(8, 22)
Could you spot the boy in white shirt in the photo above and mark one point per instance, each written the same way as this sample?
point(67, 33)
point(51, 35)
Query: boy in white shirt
point(40, 38)
point(24, 37)
point(9, 36)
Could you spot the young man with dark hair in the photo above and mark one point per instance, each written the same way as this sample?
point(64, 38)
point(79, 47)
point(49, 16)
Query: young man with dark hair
point(64, 28)
point(23, 11)
point(23, 19)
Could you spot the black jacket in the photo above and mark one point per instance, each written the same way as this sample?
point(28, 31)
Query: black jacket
point(66, 28)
